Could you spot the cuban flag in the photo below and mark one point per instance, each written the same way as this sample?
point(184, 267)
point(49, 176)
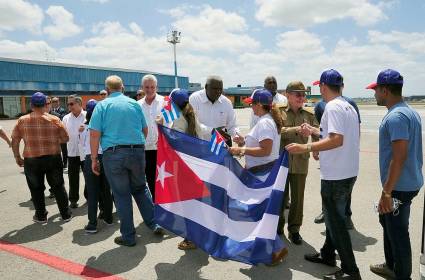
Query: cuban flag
point(170, 112)
point(216, 142)
point(216, 203)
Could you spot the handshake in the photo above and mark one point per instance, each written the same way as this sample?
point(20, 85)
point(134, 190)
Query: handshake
point(306, 130)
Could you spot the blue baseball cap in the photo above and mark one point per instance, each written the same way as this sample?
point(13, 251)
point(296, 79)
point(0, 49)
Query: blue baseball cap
point(38, 99)
point(179, 96)
point(387, 77)
point(262, 96)
point(330, 77)
point(90, 105)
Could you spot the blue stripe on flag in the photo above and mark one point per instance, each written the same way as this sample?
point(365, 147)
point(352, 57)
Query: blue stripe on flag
point(251, 252)
point(239, 211)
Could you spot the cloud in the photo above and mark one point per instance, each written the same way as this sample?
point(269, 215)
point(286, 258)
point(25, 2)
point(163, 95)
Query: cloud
point(303, 13)
point(63, 23)
point(412, 42)
point(37, 50)
point(214, 30)
point(20, 15)
point(97, 1)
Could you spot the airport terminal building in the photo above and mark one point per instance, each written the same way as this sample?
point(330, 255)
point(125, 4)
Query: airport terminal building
point(19, 79)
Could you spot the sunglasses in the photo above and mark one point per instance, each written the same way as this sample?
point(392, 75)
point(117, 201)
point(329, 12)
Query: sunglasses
point(71, 104)
point(103, 94)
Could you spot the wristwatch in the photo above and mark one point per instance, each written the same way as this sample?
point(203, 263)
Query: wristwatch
point(386, 194)
point(308, 147)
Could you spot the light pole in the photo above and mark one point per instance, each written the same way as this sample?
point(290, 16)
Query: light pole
point(174, 38)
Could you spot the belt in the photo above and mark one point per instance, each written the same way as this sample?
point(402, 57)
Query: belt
point(125, 146)
point(262, 168)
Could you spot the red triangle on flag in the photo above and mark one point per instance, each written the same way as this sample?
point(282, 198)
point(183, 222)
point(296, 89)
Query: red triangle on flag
point(175, 181)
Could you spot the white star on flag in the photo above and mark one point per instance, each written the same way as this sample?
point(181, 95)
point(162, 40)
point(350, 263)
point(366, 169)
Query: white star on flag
point(162, 174)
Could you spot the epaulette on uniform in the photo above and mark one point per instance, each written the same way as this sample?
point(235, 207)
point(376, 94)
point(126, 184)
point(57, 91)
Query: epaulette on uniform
point(309, 110)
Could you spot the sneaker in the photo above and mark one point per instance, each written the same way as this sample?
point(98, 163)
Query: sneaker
point(320, 219)
point(108, 222)
point(349, 224)
point(157, 230)
point(118, 240)
point(101, 215)
point(90, 228)
point(41, 220)
point(296, 238)
point(73, 205)
point(339, 274)
point(382, 269)
point(67, 218)
point(317, 258)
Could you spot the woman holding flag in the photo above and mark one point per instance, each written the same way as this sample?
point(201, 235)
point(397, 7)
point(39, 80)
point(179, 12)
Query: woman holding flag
point(261, 145)
point(186, 123)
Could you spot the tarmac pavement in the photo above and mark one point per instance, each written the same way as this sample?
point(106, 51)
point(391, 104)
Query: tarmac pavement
point(158, 257)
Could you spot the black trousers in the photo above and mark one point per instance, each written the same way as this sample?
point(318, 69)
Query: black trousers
point(64, 155)
point(151, 171)
point(50, 166)
point(74, 167)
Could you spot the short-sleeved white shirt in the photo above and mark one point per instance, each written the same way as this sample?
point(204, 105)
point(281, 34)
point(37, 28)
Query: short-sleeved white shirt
point(151, 112)
point(72, 125)
point(264, 129)
point(342, 162)
point(213, 115)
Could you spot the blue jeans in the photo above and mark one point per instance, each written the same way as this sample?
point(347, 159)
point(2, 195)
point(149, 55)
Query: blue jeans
point(335, 196)
point(398, 253)
point(97, 188)
point(125, 170)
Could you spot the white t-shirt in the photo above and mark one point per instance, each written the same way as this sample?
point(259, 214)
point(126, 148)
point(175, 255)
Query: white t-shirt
point(213, 115)
point(72, 125)
point(151, 112)
point(342, 162)
point(264, 129)
point(278, 99)
point(85, 143)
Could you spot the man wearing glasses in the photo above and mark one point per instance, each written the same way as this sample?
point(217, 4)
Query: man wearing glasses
point(292, 132)
point(72, 122)
point(103, 94)
point(60, 112)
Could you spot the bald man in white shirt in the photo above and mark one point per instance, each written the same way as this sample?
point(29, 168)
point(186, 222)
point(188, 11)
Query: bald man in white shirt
point(213, 109)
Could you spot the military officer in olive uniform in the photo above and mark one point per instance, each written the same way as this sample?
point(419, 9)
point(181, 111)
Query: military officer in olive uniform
point(293, 132)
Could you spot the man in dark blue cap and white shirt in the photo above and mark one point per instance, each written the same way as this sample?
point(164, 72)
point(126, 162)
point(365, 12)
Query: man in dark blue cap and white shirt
point(400, 163)
point(339, 166)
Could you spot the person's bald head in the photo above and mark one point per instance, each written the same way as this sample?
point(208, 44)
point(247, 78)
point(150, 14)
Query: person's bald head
point(113, 84)
point(270, 84)
point(214, 87)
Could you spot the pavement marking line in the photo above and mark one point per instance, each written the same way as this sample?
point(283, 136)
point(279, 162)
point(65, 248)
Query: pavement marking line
point(64, 265)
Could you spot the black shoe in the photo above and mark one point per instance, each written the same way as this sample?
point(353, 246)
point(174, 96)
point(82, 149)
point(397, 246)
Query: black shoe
point(157, 230)
point(40, 220)
point(349, 223)
point(51, 195)
point(101, 215)
point(73, 205)
point(320, 219)
point(296, 238)
point(339, 274)
point(90, 228)
point(67, 218)
point(118, 240)
point(317, 258)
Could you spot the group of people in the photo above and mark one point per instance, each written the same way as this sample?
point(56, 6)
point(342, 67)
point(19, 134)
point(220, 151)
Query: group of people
point(114, 142)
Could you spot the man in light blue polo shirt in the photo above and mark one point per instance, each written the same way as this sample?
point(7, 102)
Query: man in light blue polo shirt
point(118, 122)
point(400, 162)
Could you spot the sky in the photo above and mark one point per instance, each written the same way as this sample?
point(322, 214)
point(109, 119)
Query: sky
point(242, 41)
